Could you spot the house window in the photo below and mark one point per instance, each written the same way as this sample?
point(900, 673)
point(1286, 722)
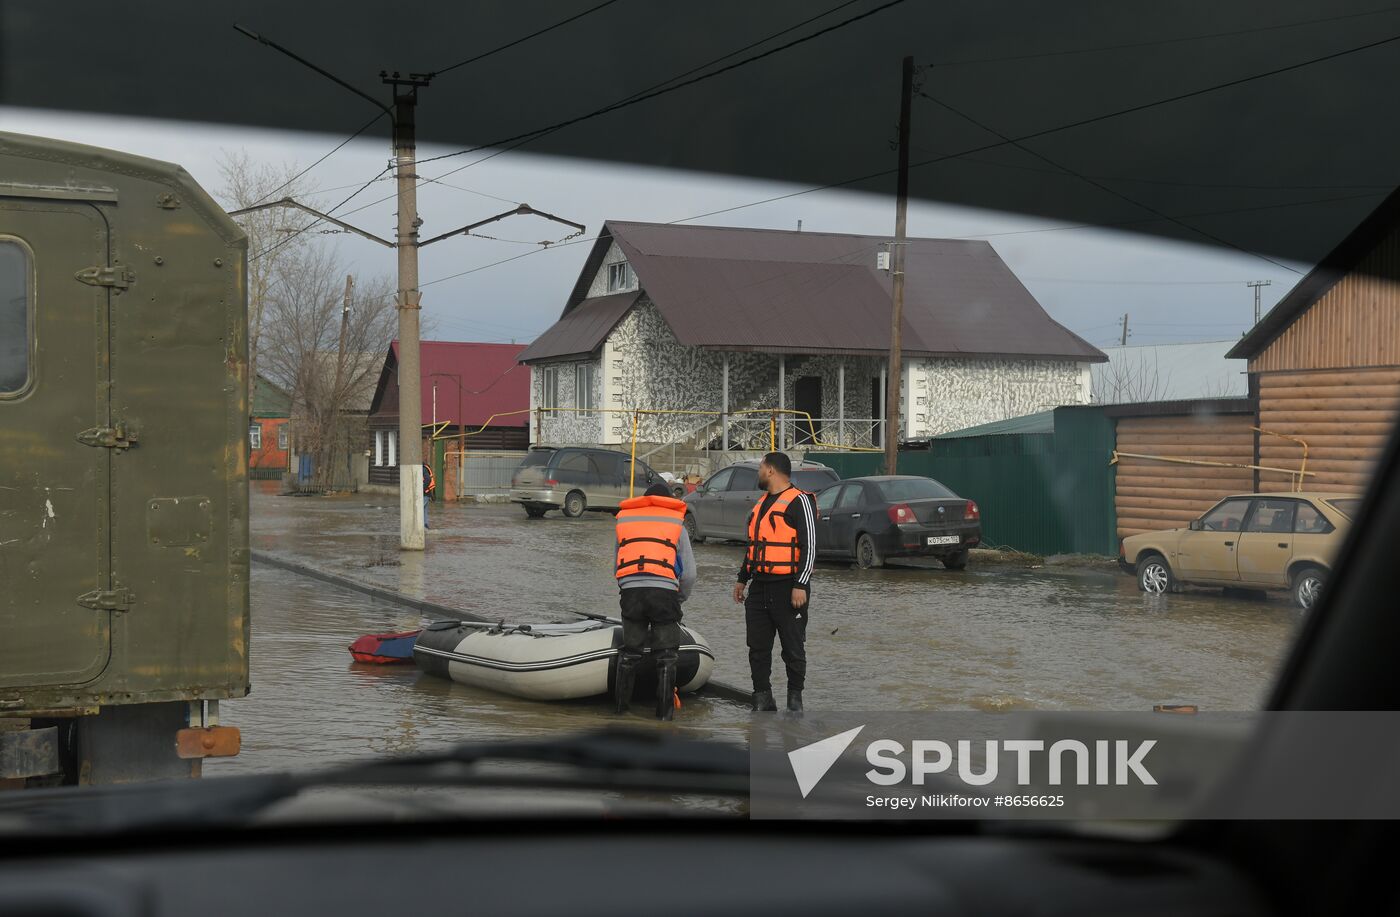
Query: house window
point(378, 448)
point(282, 437)
point(393, 439)
point(620, 277)
point(255, 437)
point(549, 390)
point(585, 374)
point(14, 318)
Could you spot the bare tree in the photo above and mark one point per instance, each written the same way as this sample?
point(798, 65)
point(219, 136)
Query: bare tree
point(327, 354)
point(271, 235)
point(1130, 378)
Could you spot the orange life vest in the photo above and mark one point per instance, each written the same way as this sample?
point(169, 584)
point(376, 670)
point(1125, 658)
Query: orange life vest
point(648, 531)
point(772, 542)
point(429, 482)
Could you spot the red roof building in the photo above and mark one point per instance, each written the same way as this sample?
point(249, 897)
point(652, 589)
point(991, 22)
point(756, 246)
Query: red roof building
point(474, 395)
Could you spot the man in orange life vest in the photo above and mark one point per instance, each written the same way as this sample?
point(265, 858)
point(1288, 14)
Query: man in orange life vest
point(781, 552)
point(655, 573)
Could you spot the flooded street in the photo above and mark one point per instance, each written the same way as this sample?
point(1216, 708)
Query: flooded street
point(995, 637)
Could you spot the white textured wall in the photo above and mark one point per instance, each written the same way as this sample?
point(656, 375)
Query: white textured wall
point(959, 393)
point(566, 427)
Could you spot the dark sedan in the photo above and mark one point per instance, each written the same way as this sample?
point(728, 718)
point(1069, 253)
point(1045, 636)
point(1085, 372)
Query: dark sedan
point(873, 519)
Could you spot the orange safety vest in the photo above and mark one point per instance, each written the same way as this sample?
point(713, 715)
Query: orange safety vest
point(429, 482)
point(772, 542)
point(648, 531)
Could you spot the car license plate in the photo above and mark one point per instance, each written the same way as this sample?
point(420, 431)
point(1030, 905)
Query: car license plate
point(944, 539)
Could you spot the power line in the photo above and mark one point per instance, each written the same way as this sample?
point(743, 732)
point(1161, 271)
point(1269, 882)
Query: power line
point(647, 96)
point(944, 157)
point(292, 235)
point(1101, 186)
point(275, 191)
point(521, 40)
point(1161, 41)
point(522, 140)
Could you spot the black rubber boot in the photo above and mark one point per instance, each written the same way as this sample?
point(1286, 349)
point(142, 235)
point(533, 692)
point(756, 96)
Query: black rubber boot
point(795, 700)
point(666, 686)
point(763, 701)
point(626, 680)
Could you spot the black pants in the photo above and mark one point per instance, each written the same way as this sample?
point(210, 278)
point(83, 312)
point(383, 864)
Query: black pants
point(649, 612)
point(768, 611)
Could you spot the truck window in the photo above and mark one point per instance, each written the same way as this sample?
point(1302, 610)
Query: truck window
point(15, 331)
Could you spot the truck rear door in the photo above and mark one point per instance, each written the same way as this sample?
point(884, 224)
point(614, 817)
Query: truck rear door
point(57, 595)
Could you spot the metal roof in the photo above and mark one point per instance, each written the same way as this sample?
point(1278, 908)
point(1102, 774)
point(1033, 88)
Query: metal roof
point(582, 328)
point(807, 292)
point(1337, 264)
point(490, 377)
point(1041, 422)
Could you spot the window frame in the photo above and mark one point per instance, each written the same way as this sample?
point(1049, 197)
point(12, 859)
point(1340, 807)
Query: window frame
point(622, 269)
point(857, 490)
point(835, 491)
point(1245, 517)
point(31, 353)
point(283, 440)
point(549, 390)
point(734, 479)
point(255, 436)
point(585, 375)
point(1254, 514)
point(1327, 526)
point(728, 474)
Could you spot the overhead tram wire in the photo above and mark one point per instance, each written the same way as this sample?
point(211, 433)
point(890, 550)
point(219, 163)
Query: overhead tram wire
point(297, 232)
point(512, 143)
point(338, 147)
point(1067, 52)
point(1101, 186)
point(521, 40)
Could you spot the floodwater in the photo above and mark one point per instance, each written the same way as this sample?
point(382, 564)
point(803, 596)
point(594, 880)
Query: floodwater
point(994, 637)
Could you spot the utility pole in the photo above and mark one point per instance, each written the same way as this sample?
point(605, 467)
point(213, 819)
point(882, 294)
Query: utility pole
point(1257, 284)
point(1124, 340)
point(411, 536)
point(894, 386)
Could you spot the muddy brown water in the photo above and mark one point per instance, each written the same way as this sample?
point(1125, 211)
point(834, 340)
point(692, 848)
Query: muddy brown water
point(993, 637)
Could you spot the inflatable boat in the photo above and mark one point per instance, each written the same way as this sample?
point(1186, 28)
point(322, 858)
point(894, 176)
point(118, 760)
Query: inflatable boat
point(548, 661)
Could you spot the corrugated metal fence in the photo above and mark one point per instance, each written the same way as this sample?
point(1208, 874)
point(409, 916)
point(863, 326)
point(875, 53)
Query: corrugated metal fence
point(1047, 493)
point(483, 473)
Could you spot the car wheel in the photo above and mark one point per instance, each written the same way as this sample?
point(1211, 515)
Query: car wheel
point(1307, 586)
point(867, 553)
point(692, 529)
point(534, 512)
point(955, 561)
point(1154, 576)
point(575, 504)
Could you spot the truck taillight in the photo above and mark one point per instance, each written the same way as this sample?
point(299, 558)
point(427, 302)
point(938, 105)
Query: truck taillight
point(970, 512)
point(900, 513)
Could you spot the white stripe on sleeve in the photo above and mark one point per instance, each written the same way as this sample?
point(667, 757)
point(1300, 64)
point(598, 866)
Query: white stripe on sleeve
point(809, 562)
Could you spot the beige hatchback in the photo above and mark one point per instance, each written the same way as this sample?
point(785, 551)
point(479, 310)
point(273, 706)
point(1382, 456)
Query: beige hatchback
point(1249, 541)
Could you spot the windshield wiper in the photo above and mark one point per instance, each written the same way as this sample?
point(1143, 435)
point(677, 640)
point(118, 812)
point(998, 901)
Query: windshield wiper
point(618, 760)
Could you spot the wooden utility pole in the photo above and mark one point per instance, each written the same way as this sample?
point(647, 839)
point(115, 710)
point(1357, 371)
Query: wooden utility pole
point(1124, 339)
point(894, 385)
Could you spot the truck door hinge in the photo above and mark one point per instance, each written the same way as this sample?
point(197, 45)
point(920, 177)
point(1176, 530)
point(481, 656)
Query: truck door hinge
point(118, 599)
point(118, 437)
point(117, 277)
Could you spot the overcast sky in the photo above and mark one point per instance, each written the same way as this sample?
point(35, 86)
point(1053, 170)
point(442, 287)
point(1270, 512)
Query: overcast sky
point(1085, 278)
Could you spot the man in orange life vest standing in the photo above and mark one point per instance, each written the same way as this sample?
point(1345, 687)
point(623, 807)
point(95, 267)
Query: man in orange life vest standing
point(655, 573)
point(777, 566)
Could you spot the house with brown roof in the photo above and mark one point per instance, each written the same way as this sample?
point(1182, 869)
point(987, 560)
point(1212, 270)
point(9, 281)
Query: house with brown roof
point(670, 318)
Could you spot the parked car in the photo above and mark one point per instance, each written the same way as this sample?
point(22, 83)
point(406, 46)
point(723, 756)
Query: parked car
point(720, 506)
point(575, 479)
point(875, 518)
point(1250, 541)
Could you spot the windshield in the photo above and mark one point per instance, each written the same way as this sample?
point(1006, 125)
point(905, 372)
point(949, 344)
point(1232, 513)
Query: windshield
point(1350, 507)
point(906, 489)
point(1079, 399)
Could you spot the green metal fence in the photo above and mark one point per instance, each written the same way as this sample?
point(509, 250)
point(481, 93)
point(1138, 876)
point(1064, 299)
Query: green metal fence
point(1047, 493)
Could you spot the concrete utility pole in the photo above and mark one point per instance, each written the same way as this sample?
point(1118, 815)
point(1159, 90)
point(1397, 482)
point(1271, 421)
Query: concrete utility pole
point(893, 386)
point(1124, 339)
point(1257, 285)
point(411, 534)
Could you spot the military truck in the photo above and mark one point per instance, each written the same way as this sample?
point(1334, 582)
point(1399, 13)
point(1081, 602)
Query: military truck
point(123, 467)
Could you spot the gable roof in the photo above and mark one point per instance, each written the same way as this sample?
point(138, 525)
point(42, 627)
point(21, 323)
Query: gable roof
point(582, 328)
point(1343, 259)
point(270, 399)
point(807, 292)
point(492, 382)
